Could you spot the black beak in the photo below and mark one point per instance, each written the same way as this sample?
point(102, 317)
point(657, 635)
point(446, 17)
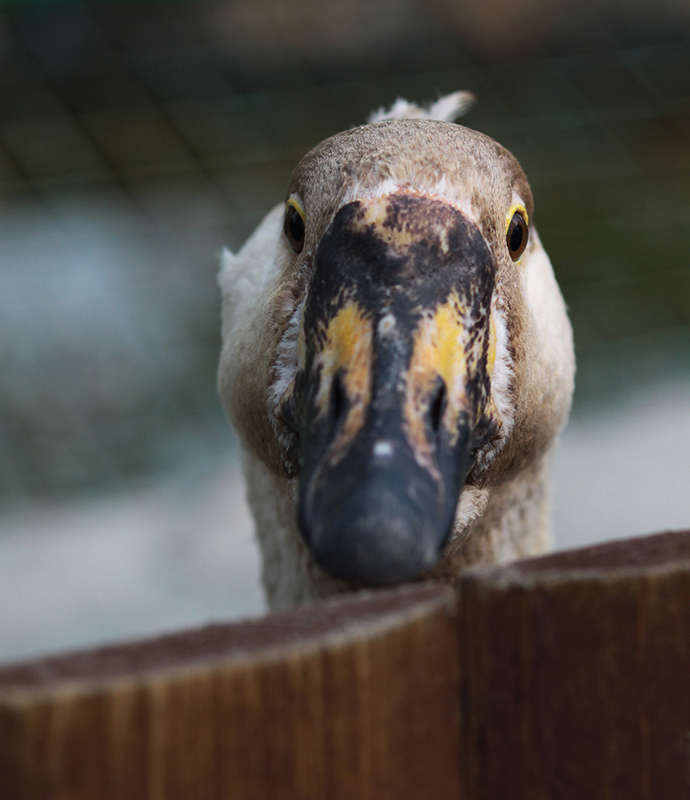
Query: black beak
point(390, 396)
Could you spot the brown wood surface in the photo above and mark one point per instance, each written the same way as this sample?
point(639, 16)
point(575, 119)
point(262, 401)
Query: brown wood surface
point(569, 680)
point(356, 698)
point(576, 674)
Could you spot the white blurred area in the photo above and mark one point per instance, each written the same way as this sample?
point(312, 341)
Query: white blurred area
point(624, 470)
point(168, 554)
point(179, 552)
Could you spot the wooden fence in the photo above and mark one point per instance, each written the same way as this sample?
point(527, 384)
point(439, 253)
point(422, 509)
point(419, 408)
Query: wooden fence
point(561, 677)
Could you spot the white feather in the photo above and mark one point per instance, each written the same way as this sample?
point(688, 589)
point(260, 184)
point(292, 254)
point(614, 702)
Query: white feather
point(445, 109)
point(244, 276)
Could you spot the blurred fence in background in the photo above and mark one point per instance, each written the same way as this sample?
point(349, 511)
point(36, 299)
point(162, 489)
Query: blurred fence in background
point(137, 139)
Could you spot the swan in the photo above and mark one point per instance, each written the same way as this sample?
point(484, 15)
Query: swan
point(397, 360)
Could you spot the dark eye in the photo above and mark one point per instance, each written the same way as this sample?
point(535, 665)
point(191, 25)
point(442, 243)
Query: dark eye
point(517, 236)
point(294, 225)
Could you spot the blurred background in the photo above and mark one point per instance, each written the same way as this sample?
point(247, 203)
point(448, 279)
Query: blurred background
point(138, 138)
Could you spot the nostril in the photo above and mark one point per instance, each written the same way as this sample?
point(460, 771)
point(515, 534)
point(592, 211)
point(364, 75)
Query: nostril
point(437, 407)
point(338, 400)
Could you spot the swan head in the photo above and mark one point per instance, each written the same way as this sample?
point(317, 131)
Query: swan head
point(411, 347)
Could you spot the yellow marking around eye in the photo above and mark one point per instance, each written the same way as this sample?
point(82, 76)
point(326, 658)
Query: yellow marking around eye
point(348, 348)
point(293, 202)
point(516, 207)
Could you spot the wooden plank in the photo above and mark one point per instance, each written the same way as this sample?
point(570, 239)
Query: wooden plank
point(576, 674)
point(354, 698)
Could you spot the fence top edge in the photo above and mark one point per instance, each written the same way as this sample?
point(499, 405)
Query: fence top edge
point(274, 637)
point(645, 556)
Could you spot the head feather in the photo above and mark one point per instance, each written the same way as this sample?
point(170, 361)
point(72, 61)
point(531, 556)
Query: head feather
point(445, 109)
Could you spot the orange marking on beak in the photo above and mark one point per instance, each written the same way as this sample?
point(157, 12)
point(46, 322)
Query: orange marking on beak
point(376, 215)
point(348, 349)
point(442, 349)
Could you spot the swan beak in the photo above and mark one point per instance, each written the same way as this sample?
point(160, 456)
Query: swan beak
point(392, 388)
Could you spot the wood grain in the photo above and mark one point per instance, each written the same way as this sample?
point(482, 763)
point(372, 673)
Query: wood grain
point(560, 678)
point(576, 674)
point(356, 698)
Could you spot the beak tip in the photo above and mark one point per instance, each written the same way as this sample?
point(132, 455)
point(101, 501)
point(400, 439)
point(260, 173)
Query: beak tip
point(375, 539)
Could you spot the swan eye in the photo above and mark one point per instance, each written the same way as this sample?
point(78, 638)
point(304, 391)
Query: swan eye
point(294, 225)
point(517, 235)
